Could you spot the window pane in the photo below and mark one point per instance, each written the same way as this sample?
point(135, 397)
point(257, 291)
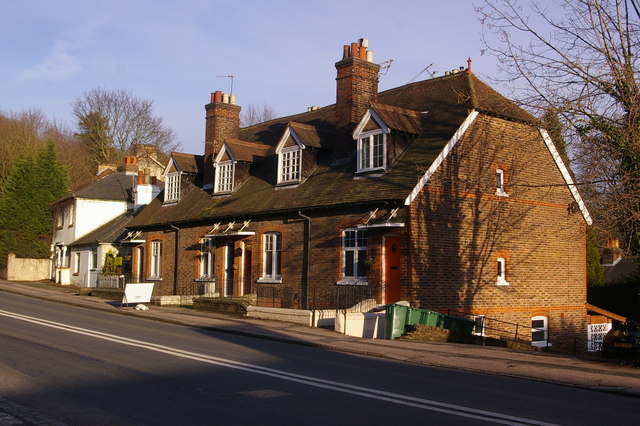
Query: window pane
point(362, 255)
point(268, 263)
point(537, 324)
point(365, 153)
point(537, 336)
point(377, 151)
point(349, 263)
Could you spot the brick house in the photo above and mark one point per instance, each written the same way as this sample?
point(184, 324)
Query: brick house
point(440, 192)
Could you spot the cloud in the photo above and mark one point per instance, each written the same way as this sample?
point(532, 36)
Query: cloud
point(58, 65)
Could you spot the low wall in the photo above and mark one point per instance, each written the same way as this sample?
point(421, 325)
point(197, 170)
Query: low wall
point(20, 269)
point(361, 324)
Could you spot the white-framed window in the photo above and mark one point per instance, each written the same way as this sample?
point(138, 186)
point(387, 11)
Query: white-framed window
point(172, 187)
point(224, 177)
point(500, 183)
point(76, 262)
point(478, 325)
point(540, 331)
point(354, 254)
point(501, 267)
point(156, 259)
point(272, 256)
point(71, 214)
point(372, 151)
point(93, 259)
point(289, 164)
point(206, 258)
point(59, 218)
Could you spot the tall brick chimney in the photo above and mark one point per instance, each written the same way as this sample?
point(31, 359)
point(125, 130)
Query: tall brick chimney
point(357, 85)
point(222, 122)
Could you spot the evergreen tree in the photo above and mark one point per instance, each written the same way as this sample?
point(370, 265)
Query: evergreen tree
point(33, 183)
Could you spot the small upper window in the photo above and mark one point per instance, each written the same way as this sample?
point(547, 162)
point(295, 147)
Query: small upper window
point(502, 271)
point(71, 214)
point(500, 184)
point(371, 151)
point(172, 189)
point(289, 165)
point(224, 177)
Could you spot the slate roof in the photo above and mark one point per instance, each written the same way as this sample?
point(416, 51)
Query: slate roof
point(188, 163)
point(111, 232)
point(248, 151)
point(441, 104)
point(110, 185)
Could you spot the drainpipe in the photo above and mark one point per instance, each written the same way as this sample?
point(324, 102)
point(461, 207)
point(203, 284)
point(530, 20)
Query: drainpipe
point(175, 260)
point(306, 271)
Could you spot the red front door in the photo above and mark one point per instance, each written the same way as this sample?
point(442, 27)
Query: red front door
point(392, 269)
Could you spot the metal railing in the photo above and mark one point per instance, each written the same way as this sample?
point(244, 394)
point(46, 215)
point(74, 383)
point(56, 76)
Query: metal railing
point(96, 279)
point(503, 330)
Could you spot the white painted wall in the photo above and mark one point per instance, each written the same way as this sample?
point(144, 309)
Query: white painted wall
point(93, 213)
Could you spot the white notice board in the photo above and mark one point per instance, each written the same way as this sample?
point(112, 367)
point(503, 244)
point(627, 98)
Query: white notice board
point(137, 293)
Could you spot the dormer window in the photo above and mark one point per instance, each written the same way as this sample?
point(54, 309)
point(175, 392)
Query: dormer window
point(371, 151)
point(172, 189)
point(289, 164)
point(224, 177)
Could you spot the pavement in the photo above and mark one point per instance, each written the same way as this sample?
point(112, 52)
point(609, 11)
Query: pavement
point(582, 371)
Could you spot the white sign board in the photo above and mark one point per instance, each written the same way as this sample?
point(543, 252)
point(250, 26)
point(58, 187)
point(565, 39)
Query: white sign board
point(137, 293)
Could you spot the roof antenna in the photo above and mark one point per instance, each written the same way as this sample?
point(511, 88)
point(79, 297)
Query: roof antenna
point(385, 66)
point(423, 70)
point(230, 76)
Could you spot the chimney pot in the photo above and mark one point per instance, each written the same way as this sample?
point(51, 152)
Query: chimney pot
point(218, 96)
point(363, 53)
point(363, 42)
point(354, 50)
point(369, 55)
point(232, 99)
point(140, 177)
point(345, 51)
point(225, 98)
point(154, 180)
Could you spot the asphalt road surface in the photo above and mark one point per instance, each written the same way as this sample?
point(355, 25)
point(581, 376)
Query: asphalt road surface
point(61, 364)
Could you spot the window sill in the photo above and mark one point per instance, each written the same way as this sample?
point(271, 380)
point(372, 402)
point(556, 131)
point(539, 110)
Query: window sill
point(360, 281)
point(269, 281)
point(502, 283)
point(288, 184)
point(206, 279)
point(374, 170)
point(154, 278)
point(500, 193)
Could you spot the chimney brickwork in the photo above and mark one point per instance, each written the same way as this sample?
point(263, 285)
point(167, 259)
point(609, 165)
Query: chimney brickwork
point(222, 122)
point(356, 87)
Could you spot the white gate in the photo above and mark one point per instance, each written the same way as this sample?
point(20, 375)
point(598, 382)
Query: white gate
point(595, 335)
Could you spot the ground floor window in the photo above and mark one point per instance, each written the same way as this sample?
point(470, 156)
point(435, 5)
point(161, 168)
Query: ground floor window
point(206, 258)
point(272, 256)
point(156, 259)
point(354, 254)
point(540, 331)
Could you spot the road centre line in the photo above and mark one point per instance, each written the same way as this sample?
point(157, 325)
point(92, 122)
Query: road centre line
point(381, 395)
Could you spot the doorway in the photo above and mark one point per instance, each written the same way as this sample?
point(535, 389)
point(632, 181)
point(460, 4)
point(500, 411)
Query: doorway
point(228, 269)
point(246, 267)
point(392, 269)
point(139, 265)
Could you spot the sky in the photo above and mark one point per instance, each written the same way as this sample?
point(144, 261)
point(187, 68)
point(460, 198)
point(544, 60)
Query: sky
point(281, 53)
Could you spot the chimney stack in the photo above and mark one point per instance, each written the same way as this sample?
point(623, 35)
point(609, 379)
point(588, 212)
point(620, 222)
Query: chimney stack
point(222, 122)
point(146, 189)
point(356, 87)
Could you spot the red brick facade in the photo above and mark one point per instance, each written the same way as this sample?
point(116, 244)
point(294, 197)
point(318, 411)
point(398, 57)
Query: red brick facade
point(506, 247)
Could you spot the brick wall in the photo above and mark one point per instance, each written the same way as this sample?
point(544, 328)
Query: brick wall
point(459, 228)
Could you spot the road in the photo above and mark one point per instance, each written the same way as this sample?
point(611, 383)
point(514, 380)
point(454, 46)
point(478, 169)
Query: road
point(66, 365)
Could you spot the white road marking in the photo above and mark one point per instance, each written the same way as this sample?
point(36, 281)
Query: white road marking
point(425, 404)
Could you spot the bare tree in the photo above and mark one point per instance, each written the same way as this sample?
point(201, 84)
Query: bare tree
point(113, 123)
point(577, 58)
point(255, 114)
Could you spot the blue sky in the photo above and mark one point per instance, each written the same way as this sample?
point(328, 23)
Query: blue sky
point(281, 53)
